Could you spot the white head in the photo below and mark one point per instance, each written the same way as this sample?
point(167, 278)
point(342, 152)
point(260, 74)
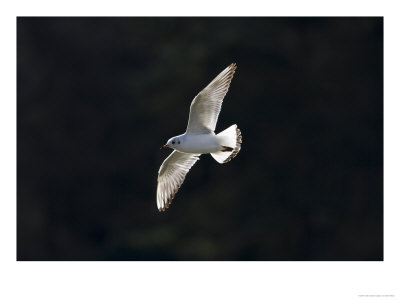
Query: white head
point(173, 142)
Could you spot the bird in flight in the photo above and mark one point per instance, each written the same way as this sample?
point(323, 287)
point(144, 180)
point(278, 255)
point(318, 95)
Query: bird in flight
point(198, 139)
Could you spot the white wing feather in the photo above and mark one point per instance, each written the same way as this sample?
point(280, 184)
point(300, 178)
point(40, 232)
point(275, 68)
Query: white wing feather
point(206, 106)
point(171, 175)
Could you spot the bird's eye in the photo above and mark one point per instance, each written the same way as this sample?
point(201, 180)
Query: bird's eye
point(179, 142)
point(173, 142)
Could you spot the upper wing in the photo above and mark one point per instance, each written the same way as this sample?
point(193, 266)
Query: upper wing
point(206, 106)
point(171, 176)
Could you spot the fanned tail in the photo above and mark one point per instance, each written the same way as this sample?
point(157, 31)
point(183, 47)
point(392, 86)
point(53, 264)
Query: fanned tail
point(231, 141)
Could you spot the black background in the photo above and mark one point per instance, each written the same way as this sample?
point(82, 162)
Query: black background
point(97, 97)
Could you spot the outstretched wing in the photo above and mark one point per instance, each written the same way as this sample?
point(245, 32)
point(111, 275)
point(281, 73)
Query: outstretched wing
point(206, 106)
point(171, 175)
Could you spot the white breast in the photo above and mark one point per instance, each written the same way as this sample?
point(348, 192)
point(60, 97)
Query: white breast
point(199, 143)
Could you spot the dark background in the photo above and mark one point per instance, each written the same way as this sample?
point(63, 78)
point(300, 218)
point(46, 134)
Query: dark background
point(97, 97)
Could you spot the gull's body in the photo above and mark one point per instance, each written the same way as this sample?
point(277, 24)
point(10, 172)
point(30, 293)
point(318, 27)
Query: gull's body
point(199, 143)
point(199, 138)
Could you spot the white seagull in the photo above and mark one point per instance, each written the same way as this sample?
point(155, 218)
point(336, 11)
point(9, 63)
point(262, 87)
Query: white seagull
point(198, 139)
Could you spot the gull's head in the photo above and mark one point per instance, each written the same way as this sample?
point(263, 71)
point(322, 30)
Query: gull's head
point(172, 143)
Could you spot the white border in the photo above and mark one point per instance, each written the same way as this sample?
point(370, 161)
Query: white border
point(197, 280)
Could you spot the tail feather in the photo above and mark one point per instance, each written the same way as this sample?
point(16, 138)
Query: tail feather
point(231, 141)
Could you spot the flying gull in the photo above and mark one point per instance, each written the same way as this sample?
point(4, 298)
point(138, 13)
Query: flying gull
point(198, 139)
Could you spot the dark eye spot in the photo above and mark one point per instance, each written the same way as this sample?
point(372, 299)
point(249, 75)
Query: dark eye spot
point(179, 142)
point(173, 142)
